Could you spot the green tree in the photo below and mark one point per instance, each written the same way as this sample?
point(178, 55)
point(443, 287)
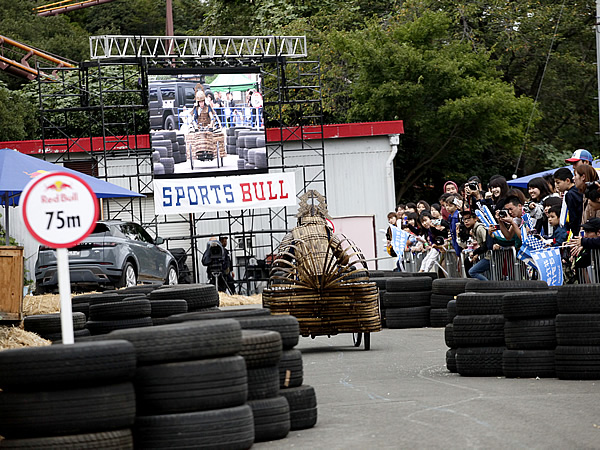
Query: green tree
point(18, 117)
point(459, 114)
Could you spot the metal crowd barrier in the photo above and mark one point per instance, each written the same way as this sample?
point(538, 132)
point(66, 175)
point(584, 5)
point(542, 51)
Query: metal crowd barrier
point(412, 261)
point(591, 273)
point(504, 265)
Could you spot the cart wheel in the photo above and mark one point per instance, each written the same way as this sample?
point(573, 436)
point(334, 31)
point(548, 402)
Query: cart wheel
point(357, 339)
point(191, 157)
point(367, 341)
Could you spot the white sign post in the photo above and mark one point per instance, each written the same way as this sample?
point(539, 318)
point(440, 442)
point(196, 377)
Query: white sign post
point(60, 210)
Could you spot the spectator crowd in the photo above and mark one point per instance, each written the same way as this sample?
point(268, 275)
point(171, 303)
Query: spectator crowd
point(558, 210)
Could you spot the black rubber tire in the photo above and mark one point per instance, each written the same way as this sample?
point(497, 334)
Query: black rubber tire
point(438, 317)
point(451, 360)
point(479, 361)
point(398, 318)
point(219, 314)
point(191, 386)
point(106, 326)
point(474, 303)
point(528, 364)
point(450, 287)
point(479, 331)
point(452, 313)
point(505, 286)
point(183, 342)
point(106, 298)
point(578, 298)
point(381, 282)
point(578, 329)
point(271, 418)
point(166, 308)
point(56, 337)
point(440, 300)
point(408, 284)
point(261, 348)
point(50, 323)
point(530, 334)
point(449, 336)
point(87, 298)
point(197, 296)
point(68, 411)
point(526, 305)
point(303, 406)
point(376, 273)
point(81, 308)
point(77, 365)
point(227, 428)
point(291, 370)
point(141, 289)
point(285, 325)
point(406, 299)
point(106, 440)
point(130, 309)
point(577, 362)
point(263, 382)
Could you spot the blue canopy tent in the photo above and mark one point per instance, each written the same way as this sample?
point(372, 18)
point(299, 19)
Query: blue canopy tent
point(18, 169)
point(522, 181)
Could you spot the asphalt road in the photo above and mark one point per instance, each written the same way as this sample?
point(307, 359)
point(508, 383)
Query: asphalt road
point(400, 395)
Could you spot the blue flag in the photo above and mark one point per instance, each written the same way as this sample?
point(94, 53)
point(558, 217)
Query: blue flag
point(399, 240)
point(549, 265)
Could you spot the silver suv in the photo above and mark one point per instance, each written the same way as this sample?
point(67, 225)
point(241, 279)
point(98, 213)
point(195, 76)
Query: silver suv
point(117, 253)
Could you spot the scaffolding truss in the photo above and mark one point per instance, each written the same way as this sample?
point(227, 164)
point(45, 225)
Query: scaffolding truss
point(197, 47)
point(109, 98)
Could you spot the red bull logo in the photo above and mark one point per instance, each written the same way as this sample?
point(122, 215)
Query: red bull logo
point(58, 186)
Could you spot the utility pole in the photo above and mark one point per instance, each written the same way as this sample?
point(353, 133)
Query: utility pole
point(169, 31)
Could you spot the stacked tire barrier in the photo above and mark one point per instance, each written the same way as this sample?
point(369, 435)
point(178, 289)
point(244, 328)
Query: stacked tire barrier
point(191, 387)
point(197, 296)
point(406, 302)
point(48, 326)
point(444, 290)
point(251, 150)
point(169, 148)
point(578, 332)
point(529, 333)
point(301, 398)
point(118, 312)
point(68, 396)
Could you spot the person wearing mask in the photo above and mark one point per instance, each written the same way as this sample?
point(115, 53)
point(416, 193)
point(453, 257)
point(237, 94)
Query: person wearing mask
point(580, 157)
point(572, 199)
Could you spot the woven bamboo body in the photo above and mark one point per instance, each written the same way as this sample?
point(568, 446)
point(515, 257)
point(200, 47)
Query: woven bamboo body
point(323, 283)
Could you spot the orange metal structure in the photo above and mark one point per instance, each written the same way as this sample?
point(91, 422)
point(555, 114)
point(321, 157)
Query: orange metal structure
point(10, 50)
point(64, 6)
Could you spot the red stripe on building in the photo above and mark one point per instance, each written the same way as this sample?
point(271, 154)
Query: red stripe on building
point(342, 130)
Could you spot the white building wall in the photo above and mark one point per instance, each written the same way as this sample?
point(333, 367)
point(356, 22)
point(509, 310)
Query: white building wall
point(357, 181)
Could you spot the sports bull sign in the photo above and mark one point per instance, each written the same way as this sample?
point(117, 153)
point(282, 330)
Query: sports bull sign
point(196, 195)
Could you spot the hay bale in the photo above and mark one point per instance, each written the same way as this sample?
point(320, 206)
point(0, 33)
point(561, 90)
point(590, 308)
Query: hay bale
point(238, 300)
point(13, 337)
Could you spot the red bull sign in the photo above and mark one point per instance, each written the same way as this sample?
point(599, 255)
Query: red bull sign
point(59, 209)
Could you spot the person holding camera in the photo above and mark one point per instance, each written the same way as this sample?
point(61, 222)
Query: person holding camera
point(480, 257)
point(572, 199)
point(219, 266)
point(510, 221)
point(474, 196)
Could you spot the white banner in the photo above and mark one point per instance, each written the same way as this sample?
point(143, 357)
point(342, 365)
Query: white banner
point(196, 195)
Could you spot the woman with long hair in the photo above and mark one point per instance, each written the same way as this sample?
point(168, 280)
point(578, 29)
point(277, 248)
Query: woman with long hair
point(539, 191)
point(499, 189)
point(584, 174)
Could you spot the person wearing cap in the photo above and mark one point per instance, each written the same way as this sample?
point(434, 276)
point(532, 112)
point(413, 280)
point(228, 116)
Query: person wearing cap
point(580, 156)
point(450, 187)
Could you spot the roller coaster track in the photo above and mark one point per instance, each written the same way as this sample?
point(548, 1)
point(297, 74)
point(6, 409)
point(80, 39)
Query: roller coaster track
point(15, 59)
point(64, 6)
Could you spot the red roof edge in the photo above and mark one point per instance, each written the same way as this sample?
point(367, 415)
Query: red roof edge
point(342, 130)
point(35, 147)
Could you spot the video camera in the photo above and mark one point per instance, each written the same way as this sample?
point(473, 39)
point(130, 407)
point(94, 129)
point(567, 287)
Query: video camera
point(214, 257)
point(473, 186)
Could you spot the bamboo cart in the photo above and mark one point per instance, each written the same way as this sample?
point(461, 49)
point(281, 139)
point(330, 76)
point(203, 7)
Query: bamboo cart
point(206, 146)
point(322, 280)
